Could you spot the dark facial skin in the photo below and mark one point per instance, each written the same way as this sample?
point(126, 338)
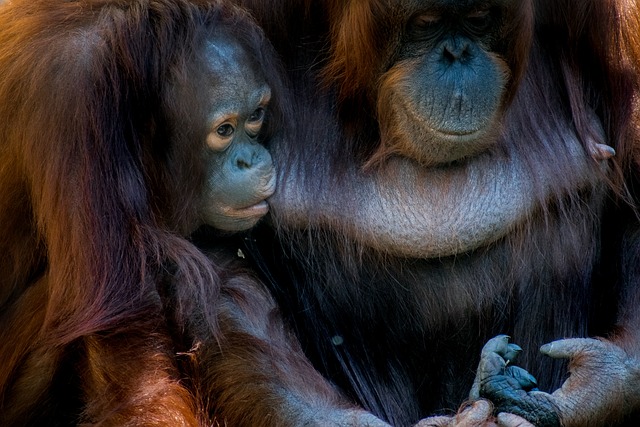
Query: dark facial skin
point(240, 171)
point(434, 99)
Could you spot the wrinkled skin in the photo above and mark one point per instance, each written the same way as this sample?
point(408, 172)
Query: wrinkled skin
point(447, 181)
point(576, 403)
point(479, 413)
point(487, 195)
point(454, 183)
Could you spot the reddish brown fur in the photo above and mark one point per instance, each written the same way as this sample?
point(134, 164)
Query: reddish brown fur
point(569, 270)
point(356, 25)
point(92, 197)
point(255, 372)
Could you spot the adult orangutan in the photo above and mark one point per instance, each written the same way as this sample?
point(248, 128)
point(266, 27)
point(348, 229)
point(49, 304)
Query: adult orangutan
point(454, 179)
point(124, 125)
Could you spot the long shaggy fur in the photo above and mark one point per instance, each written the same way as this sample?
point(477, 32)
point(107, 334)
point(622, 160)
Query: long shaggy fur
point(94, 202)
point(412, 329)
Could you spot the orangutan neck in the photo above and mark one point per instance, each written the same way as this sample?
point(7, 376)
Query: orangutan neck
point(406, 210)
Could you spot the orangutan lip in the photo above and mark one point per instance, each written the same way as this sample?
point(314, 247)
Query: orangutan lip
point(454, 134)
point(259, 209)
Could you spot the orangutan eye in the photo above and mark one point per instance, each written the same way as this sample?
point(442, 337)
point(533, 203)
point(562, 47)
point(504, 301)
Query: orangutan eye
point(225, 130)
point(425, 26)
point(479, 20)
point(426, 20)
point(221, 136)
point(257, 115)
